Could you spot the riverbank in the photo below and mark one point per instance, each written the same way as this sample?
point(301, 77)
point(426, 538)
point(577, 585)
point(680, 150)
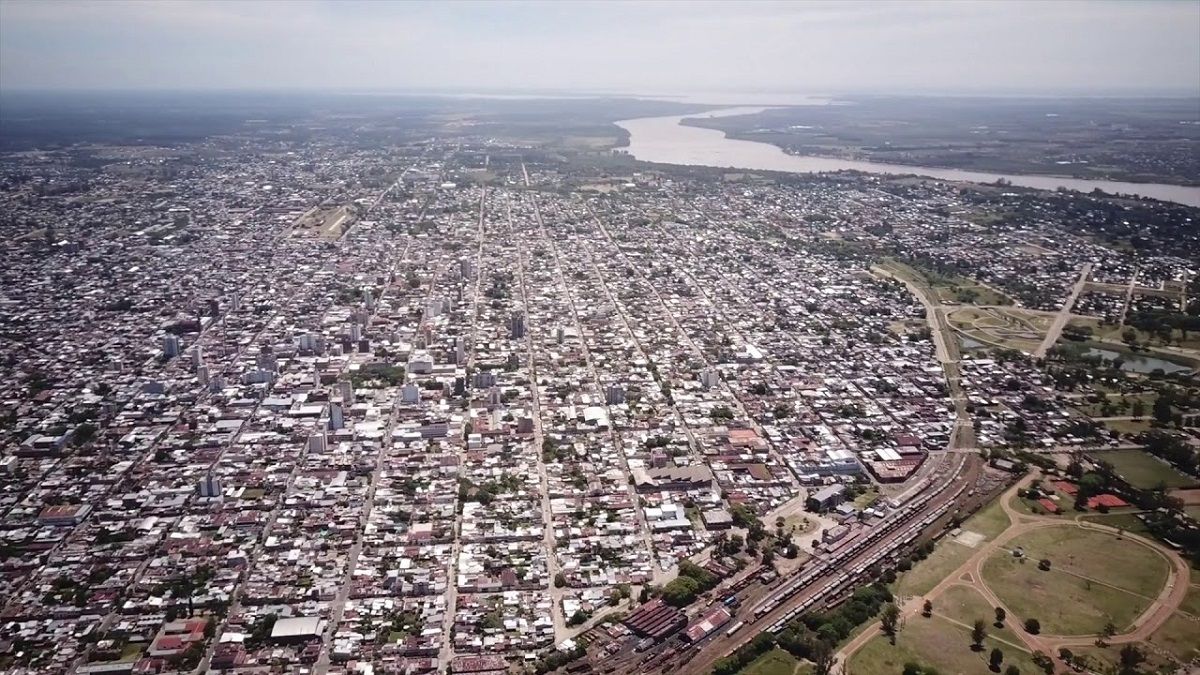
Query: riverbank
point(666, 140)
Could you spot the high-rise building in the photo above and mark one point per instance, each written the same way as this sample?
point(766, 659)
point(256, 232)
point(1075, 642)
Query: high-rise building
point(614, 394)
point(336, 421)
point(210, 487)
point(709, 378)
point(197, 356)
point(170, 346)
point(410, 393)
point(516, 326)
point(345, 390)
point(267, 361)
point(316, 442)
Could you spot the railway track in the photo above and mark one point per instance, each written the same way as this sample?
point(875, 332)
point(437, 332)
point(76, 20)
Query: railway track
point(819, 582)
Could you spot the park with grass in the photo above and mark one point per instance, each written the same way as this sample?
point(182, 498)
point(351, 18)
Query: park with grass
point(1063, 584)
point(1093, 579)
point(1143, 470)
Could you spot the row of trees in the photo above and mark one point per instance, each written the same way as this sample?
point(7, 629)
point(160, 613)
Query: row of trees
point(813, 637)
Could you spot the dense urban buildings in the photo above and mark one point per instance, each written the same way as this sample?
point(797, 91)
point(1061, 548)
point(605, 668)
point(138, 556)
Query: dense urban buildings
point(477, 405)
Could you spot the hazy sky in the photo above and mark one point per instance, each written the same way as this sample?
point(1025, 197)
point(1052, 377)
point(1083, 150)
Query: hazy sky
point(676, 47)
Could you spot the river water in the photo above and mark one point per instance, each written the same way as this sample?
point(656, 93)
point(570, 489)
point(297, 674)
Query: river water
point(666, 141)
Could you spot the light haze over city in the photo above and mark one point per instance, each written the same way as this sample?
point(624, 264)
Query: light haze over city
point(672, 47)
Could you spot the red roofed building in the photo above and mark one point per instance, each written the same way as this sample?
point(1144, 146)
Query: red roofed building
point(1107, 500)
point(1050, 506)
point(1066, 487)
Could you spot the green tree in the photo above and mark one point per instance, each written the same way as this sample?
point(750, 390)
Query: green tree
point(890, 620)
point(1130, 658)
point(927, 609)
point(995, 659)
point(1000, 616)
point(1138, 408)
point(1033, 626)
point(1162, 409)
point(822, 658)
point(978, 633)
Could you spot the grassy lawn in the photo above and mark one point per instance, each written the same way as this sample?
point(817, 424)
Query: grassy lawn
point(1171, 647)
point(1191, 603)
point(775, 662)
point(989, 521)
point(1065, 605)
point(866, 498)
point(1143, 470)
point(1126, 521)
point(131, 652)
point(932, 642)
point(964, 605)
point(1097, 555)
point(1128, 426)
point(1180, 636)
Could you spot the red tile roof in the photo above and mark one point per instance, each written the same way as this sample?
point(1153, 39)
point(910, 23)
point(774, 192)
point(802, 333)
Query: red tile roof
point(1111, 501)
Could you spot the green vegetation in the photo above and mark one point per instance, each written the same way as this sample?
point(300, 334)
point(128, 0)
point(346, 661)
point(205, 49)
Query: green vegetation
point(948, 286)
point(948, 555)
point(691, 582)
point(1092, 579)
point(1144, 471)
point(775, 662)
point(378, 371)
point(937, 643)
point(812, 637)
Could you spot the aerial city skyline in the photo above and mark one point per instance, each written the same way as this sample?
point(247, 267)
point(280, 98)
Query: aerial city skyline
point(514, 338)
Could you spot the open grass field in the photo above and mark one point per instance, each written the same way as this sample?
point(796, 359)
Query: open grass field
point(1128, 426)
point(1094, 578)
point(1191, 603)
point(1065, 605)
point(964, 605)
point(1126, 521)
point(1143, 470)
point(1098, 555)
point(949, 554)
point(1180, 636)
point(934, 642)
point(774, 662)
point(1173, 645)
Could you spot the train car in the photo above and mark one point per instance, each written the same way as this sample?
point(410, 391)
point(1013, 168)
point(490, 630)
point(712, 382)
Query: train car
point(735, 628)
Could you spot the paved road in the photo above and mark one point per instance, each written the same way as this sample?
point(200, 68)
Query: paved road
point(1064, 314)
